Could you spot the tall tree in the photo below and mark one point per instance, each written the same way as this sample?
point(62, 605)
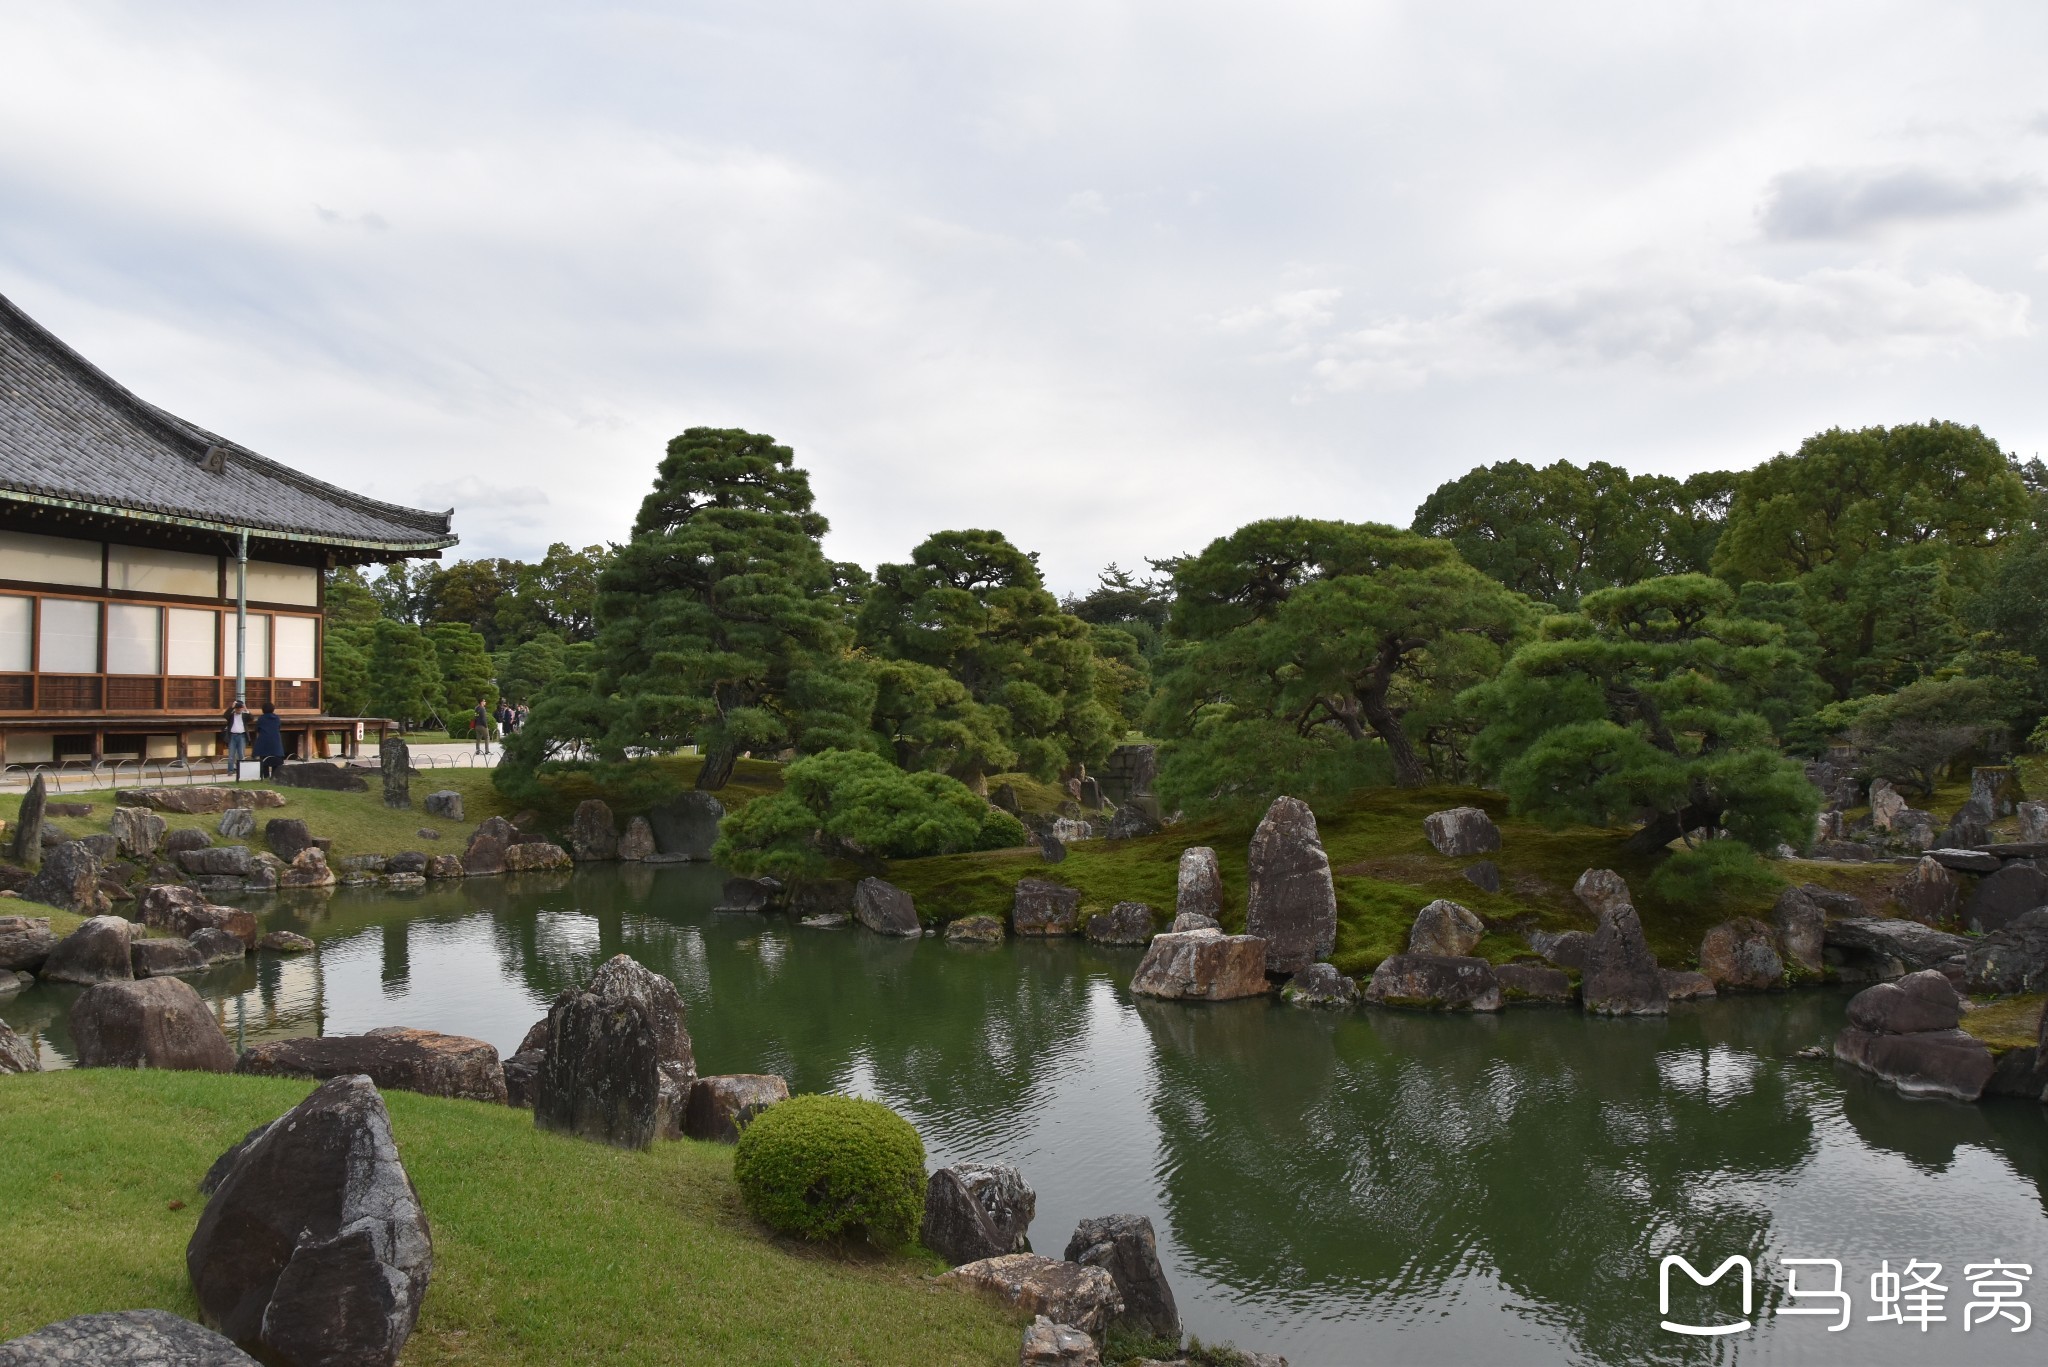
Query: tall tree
point(972, 606)
point(1305, 646)
point(556, 596)
point(405, 675)
point(466, 672)
point(1654, 698)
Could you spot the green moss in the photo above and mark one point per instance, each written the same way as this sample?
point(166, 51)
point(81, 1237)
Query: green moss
point(1034, 797)
point(547, 1250)
point(2009, 1022)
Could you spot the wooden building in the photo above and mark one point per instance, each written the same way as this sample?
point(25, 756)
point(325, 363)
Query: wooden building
point(143, 558)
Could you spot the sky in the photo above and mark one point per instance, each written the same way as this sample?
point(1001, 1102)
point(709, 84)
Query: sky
point(1113, 278)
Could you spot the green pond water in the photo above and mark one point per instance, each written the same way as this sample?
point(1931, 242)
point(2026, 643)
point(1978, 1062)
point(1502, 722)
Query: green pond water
point(1357, 1187)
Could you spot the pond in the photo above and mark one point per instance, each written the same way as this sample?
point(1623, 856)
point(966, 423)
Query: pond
point(1339, 1187)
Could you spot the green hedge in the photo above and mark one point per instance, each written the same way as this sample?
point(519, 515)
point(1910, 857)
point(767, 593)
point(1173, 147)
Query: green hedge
point(831, 1167)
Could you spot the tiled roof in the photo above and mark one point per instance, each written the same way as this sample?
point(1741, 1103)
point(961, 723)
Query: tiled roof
point(69, 434)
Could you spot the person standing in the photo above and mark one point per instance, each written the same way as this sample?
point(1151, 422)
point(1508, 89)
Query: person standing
point(236, 726)
point(480, 726)
point(269, 743)
point(507, 720)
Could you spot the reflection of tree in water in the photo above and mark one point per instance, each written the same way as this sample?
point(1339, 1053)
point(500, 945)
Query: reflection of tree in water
point(1394, 1155)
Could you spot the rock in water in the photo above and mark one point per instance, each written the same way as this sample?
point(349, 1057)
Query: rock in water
point(1620, 977)
point(1202, 965)
point(1886, 948)
point(2014, 959)
point(1802, 929)
point(285, 942)
point(1126, 923)
point(17, 1055)
point(1533, 983)
point(485, 853)
point(70, 880)
point(1946, 1063)
point(885, 908)
point(164, 958)
point(1320, 985)
point(138, 831)
point(593, 834)
point(1434, 982)
point(976, 930)
point(1461, 831)
point(720, 1106)
point(1056, 1345)
point(638, 841)
point(1683, 986)
point(1200, 892)
point(1125, 1247)
point(308, 870)
point(1602, 891)
point(1041, 907)
point(537, 856)
point(394, 759)
point(25, 943)
point(396, 1057)
point(182, 911)
point(27, 846)
point(1916, 1003)
point(1293, 902)
point(155, 1023)
point(618, 1064)
point(314, 1249)
point(686, 826)
point(1445, 928)
point(128, 1338)
point(1743, 954)
point(1999, 899)
point(747, 894)
point(445, 866)
point(974, 1211)
point(96, 952)
point(1066, 1293)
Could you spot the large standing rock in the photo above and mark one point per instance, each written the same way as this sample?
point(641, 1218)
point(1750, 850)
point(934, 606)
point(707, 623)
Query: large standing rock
point(138, 831)
point(1995, 788)
point(1056, 1345)
point(237, 823)
point(1125, 1247)
point(286, 836)
point(593, 834)
point(485, 853)
point(394, 761)
point(686, 826)
point(1932, 893)
point(308, 870)
point(25, 942)
point(1126, 923)
point(1292, 904)
point(2033, 823)
point(96, 952)
point(314, 1249)
point(1603, 891)
point(218, 946)
point(638, 841)
point(446, 804)
point(1885, 948)
point(17, 1055)
point(1946, 1063)
point(618, 1064)
point(1066, 1293)
point(974, 1211)
point(127, 1338)
point(26, 847)
point(1620, 977)
point(1462, 831)
point(1998, 901)
point(70, 880)
point(1915, 1004)
point(721, 1106)
point(395, 1057)
point(1434, 982)
point(1886, 804)
point(1201, 883)
point(1743, 954)
point(155, 1023)
point(2014, 959)
point(1202, 965)
point(1320, 985)
point(885, 908)
point(1445, 928)
point(1802, 928)
point(1042, 907)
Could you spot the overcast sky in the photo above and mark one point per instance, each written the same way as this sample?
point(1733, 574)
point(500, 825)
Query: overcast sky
point(1113, 278)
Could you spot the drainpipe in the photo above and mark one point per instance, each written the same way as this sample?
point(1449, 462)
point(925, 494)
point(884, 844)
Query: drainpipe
point(242, 616)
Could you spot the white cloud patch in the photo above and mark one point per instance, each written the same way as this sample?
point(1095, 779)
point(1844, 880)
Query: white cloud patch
point(1821, 202)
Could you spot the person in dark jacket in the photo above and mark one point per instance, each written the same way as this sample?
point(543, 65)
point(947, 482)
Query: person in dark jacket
point(269, 743)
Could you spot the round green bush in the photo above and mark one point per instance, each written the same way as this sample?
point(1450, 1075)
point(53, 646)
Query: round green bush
point(831, 1167)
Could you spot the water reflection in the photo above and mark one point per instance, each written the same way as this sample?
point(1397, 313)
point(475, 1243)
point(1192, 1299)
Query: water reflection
point(1338, 1186)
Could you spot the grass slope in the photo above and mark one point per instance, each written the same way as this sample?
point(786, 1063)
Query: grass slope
point(1386, 871)
point(546, 1250)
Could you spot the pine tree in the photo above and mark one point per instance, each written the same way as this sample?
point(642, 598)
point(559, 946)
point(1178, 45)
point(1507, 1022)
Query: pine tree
point(405, 675)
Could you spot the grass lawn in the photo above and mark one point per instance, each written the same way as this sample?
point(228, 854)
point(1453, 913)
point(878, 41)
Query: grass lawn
point(547, 1250)
point(1386, 871)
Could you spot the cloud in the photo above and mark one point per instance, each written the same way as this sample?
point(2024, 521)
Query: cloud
point(1818, 202)
point(368, 222)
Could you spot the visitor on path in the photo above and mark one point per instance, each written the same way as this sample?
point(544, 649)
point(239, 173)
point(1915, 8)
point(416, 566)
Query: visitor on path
point(480, 727)
point(508, 720)
point(269, 743)
point(236, 725)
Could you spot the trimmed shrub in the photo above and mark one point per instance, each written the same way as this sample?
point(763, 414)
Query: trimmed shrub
point(1718, 875)
point(832, 1167)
